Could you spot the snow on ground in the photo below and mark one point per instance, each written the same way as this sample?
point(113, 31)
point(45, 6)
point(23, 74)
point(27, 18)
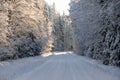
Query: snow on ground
point(57, 66)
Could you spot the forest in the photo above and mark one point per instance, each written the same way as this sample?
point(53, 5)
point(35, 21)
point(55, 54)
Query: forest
point(96, 29)
point(38, 42)
point(32, 27)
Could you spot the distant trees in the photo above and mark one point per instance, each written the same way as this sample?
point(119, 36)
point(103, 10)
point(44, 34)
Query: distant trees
point(96, 29)
point(68, 40)
point(25, 28)
point(58, 33)
point(62, 33)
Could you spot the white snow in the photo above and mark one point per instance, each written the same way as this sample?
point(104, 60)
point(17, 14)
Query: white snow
point(57, 66)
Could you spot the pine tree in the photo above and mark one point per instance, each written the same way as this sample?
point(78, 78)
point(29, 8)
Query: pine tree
point(96, 29)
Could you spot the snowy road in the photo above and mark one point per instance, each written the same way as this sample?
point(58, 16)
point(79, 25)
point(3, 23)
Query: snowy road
point(57, 67)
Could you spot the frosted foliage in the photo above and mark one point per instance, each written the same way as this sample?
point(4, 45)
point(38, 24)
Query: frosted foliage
point(96, 26)
point(62, 29)
point(84, 15)
point(25, 28)
point(58, 33)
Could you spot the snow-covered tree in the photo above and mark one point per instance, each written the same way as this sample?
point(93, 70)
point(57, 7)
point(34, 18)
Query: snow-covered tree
point(58, 33)
point(26, 28)
point(62, 33)
point(110, 31)
point(84, 15)
point(96, 29)
point(68, 46)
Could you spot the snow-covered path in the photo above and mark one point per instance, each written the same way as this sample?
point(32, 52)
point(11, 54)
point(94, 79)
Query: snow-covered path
point(57, 67)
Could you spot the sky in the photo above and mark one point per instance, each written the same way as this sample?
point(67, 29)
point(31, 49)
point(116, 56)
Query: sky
point(61, 5)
